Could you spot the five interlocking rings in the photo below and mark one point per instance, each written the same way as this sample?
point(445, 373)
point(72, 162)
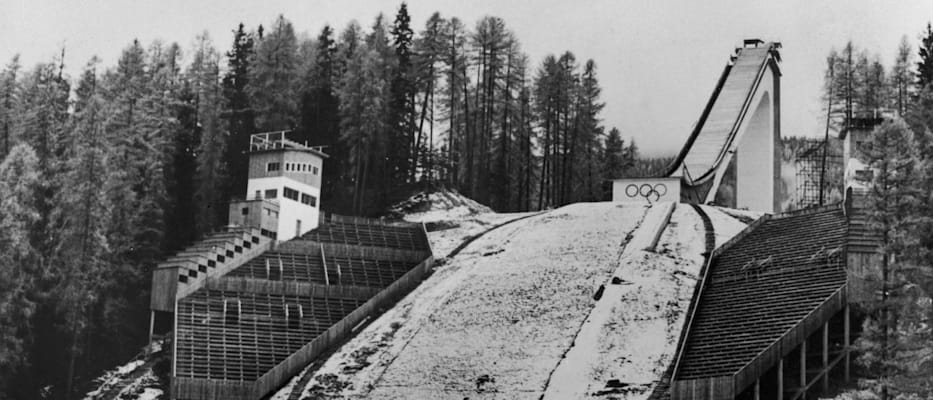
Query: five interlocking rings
point(650, 193)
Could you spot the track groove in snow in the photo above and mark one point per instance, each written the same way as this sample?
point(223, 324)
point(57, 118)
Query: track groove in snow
point(492, 322)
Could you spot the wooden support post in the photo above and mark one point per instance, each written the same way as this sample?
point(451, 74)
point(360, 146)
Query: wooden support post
point(758, 389)
point(175, 339)
point(845, 342)
point(803, 368)
point(780, 382)
point(324, 265)
point(826, 358)
point(151, 328)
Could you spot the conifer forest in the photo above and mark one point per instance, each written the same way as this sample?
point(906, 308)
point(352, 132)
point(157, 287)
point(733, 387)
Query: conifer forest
point(107, 172)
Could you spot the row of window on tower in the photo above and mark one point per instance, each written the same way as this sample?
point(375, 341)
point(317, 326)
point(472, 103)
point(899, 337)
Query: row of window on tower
point(290, 194)
point(293, 167)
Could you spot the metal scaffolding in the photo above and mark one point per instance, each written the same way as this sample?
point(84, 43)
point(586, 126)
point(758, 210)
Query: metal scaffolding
point(812, 173)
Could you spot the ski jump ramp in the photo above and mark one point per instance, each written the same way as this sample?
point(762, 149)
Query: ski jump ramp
point(741, 122)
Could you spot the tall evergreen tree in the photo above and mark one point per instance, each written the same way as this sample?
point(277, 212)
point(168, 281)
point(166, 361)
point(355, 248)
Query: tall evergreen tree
point(9, 97)
point(925, 63)
point(892, 204)
point(319, 117)
point(210, 172)
point(452, 106)
point(84, 214)
point(428, 49)
point(19, 178)
point(902, 78)
point(273, 78)
point(401, 113)
point(238, 114)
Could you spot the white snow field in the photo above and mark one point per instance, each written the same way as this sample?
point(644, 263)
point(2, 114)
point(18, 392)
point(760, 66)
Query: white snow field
point(498, 319)
point(631, 334)
point(493, 321)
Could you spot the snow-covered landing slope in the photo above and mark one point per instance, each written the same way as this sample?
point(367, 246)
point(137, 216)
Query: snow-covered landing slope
point(492, 322)
point(631, 335)
point(496, 320)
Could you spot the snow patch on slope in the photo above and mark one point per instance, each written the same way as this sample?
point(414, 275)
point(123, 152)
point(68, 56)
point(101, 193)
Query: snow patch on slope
point(133, 380)
point(439, 205)
point(640, 316)
point(489, 323)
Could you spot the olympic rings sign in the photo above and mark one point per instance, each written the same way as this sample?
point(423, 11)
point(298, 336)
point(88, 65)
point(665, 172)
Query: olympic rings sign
point(650, 192)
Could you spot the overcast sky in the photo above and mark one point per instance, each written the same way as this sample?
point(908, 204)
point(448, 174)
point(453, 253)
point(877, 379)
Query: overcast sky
point(657, 60)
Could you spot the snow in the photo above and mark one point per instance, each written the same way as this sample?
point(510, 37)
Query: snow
point(149, 394)
point(631, 334)
point(724, 226)
point(133, 380)
point(439, 205)
point(111, 378)
point(745, 216)
point(457, 229)
point(451, 218)
point(492, 322)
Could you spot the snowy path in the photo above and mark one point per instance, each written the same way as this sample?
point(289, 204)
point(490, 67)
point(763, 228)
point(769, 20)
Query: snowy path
point(491, 323)
point(529, 289)
point(632, 332)
point(631, 335)
point(574, 375)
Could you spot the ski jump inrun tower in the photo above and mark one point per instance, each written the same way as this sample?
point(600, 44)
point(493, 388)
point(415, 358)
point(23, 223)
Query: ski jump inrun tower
point(741, 123)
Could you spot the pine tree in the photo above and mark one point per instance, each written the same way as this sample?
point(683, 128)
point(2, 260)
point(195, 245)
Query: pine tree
point(892, 204)
point(452, 105)
point(9, 97)
point(238, 114)
point(902, 78)
point(84, 215)
point(587, 172)
point(871, 91)
point(273, 78)
point(364, 93)
point(210, 172)
point(319, 116)
point(428, 50)
point(613, 158)
point(925, 64)
point(19, 178)
point(401, 114)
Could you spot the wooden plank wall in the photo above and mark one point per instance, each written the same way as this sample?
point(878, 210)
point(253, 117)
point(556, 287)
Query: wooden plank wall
point(298, 246)
point(196, 388)
point(291, 288)
point(790, 340)
point(164, 287)
point(339, 331)
point(715, 388)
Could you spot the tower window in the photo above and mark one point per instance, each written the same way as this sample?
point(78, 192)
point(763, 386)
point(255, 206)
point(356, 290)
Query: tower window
point(309, 200)
point(290, 193)
point(314, 170)
point(245, 211)
point(273, 166)
point(271, 193)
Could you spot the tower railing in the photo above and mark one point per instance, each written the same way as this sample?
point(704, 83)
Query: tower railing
point(274, 140)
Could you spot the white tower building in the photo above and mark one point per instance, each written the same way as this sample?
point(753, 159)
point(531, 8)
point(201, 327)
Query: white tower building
point(284, 188)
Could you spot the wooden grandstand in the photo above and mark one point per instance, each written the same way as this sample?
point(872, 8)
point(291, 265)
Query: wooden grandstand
point(770, 318)
point(245, 329)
